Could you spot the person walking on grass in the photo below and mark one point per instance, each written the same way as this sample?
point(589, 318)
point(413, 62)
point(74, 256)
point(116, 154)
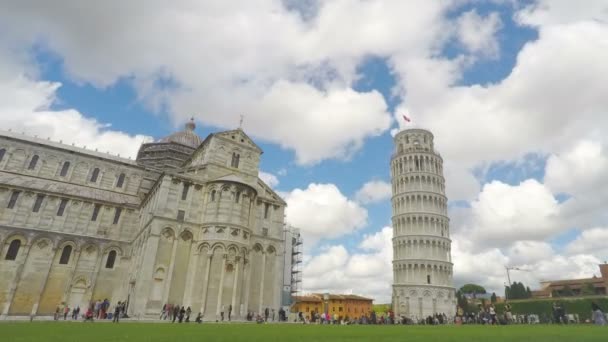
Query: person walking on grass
point(116, 313)
point(229, 312)
point(188, 313)
point(182, 312)
point(598, 315)
point(175, 313)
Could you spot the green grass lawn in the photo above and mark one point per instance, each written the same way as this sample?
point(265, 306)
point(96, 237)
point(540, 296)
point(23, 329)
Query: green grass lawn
point(133, 332)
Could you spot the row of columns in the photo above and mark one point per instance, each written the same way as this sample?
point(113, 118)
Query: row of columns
point(417, 163)
point(418, 183)
point(433, 204)
point(418, 275)
point(422, 251)
point(417, 225)
point(23, 257)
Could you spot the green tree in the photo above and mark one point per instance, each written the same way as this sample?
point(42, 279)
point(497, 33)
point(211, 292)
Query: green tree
point(473, 289)
point(588, 290)
point(528, 292)
point(493, 298)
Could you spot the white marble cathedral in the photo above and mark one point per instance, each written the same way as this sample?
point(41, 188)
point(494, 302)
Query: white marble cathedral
point(422, 263)
point(189, 223)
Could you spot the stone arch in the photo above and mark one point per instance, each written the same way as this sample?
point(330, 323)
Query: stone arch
point(271, 249)
point(16, 236)
point(202, 246)
point(81, 281)
point(257, 247)
point(186, 235)
point(168, 233)
point(218, 247)
point(232, 250)
point(43, 239)
point(113, 247)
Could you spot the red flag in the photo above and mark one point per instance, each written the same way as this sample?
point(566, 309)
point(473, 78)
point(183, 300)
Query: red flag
point(406, 118)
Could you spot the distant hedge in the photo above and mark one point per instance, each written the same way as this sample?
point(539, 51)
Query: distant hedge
point(580, 306)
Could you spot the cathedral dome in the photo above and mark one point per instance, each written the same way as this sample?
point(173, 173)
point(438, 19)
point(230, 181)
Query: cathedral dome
point(186, 137)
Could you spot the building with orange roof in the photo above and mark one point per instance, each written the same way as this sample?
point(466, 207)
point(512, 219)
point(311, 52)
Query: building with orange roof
point(577, 287)
point(343, 305)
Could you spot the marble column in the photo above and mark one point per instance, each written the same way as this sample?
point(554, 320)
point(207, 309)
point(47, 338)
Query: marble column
point(169, 278)
point(206, 283)
point(144, 275)
point(246, 286)
point(261, 310)
point(191, 275)
point(96, 273)
point(235, 283)
point(43, 287)
point(221, 289)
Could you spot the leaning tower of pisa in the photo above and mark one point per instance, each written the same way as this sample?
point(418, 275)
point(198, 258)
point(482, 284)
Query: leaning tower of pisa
point(422, 263)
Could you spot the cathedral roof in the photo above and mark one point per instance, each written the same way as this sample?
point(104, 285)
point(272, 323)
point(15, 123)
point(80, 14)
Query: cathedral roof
point(185, 137)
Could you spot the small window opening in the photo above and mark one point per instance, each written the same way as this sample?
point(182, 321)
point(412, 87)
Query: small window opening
point(111, 259)
point(65, 255)
point(62, 205)
point(33, 162)
point(185, 191)
point(121, 180)
point(94, 175)
point(95, 212)
point(64, 169)
point(38, 203)
point(13, 250)
point(117, 215)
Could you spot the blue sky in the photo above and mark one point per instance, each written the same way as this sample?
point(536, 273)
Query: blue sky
point(323, 86)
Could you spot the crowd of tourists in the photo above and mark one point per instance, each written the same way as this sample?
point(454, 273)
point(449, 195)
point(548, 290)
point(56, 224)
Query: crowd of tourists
point(96, 310)
point(488, 315)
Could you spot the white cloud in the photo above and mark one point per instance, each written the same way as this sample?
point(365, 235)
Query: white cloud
point(503, 214)
point(578, 170)
point(374, 191)
point(368, 274)
point(557, 12)
point(321, 211)
point(590, 241)
point(477, 33)
point(25, 106)
point(268, 178)
point(528, 252)
point(261, 59)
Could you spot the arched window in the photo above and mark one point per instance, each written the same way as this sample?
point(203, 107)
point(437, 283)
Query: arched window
point(235, 160)
point(2, 153)
point(111, 259)
point(428, 279)
point(13, 250)
point(65, 255)
point(121, 180)
point(266, 210)
point(33, 162)
point(237, 198)
point(185, 191)
point(94, 175)
point(213, 196)
point(13, 200)
point(64, 169)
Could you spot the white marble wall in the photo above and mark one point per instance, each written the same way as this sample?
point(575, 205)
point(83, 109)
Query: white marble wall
point(422, 263)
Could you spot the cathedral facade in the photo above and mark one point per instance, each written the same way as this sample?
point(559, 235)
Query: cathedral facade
point(189, 222)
